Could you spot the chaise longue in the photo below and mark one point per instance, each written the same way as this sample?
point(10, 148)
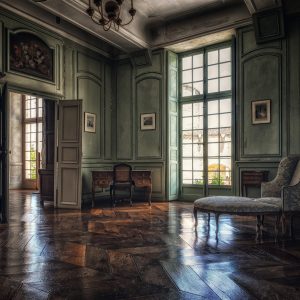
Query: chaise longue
point(279, 197)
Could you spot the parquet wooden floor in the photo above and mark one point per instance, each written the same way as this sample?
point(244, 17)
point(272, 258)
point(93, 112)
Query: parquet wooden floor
point(140, 253)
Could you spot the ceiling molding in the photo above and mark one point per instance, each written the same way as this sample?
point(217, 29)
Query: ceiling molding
point(60, 32)
point(251, 6)
point(258, 5)
point(74, 11)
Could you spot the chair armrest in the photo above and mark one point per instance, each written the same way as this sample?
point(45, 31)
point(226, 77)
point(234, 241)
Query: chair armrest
point(270, 189)
point(291, 197)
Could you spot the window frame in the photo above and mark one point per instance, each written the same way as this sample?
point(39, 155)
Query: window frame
point(205, 98)
point(30, 182)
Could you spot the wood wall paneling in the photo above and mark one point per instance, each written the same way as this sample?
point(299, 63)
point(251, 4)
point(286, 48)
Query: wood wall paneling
point(261, 75)
point(262, 80)
point(149, 100)
point(293, 112)
point(124, 122)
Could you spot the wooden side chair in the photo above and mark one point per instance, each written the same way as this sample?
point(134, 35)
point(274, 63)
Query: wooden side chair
point(122, 181)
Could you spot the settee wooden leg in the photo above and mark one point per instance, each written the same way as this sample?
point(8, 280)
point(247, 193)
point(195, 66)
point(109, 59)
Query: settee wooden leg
point(195, 216)
point(258, 227)
point(276, 227)
point(283, 224)
point(292, 227)
point(217, 224)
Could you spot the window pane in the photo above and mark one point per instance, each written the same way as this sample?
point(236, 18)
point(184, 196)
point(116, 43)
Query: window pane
point(213, 121)
point(27, 165)
point(225, 54)
point(198, 108)
point(198, 136)
point(214, 178)
point(40, 112)
point(27, 155)
point(187, 76)
point(187, 164)
point(187, 137)
point(187, 89)
point(33, 113)
point(32, 137)
point(197, 164)
point(198, 74)
point(197, 150)
point(225, 120)
point(197, 122)
point(213, 149)
point(212, 57)
point(225, 134)
point(40, 127)
point(213, 164)
point(225, 69)
point(27, 137)
point(213, 72)
point(225, 164)
point(27, 104)
point(213, 107)
point(187, 110)
point(225, 149)
point(198, 88)
point(197, 60)
point(187, 150)
point(225, 105)
point(33, 127)
point(27, 114)
point(225, 84)
point(213, 86)
point(27, 174)
point(213, 135)
point(187, 63)
point(187, 177)
point(187, 123)
point(198, 178)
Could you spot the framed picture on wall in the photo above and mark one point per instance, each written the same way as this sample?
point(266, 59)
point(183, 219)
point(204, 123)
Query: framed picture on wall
point(261, 111)
point(30, 55)
point(148, 121)
point(89, 122)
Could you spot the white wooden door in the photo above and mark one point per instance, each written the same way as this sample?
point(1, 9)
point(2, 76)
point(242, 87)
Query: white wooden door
point(69, 151)
point(4, 195)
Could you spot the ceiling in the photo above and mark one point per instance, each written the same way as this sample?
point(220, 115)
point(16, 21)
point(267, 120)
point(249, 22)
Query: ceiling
point(158, 23)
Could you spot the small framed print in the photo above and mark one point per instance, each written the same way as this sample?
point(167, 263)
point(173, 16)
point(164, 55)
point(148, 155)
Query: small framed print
point(89, 122)
point(261, 111)
point(148, 121)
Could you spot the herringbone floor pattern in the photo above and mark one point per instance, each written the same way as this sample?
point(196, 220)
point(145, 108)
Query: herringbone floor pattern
point(140, 253)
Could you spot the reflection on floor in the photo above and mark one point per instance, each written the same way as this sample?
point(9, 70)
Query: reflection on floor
point(140, 253)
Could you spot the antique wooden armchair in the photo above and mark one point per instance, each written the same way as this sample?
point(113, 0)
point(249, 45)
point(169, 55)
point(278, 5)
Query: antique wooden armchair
point(122, 181)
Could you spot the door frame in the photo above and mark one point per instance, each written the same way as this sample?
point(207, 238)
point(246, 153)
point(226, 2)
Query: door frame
point(24, 91)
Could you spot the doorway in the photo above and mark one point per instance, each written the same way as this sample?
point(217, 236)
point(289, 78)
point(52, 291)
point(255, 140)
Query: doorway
point(25, 140)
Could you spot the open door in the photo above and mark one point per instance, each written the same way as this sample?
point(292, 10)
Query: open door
point(69, 152)
point(4, 155)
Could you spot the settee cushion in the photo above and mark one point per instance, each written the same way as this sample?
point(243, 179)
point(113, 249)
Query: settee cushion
point(236, 205)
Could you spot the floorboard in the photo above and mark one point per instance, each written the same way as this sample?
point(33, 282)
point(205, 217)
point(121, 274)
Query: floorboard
point(141, 253)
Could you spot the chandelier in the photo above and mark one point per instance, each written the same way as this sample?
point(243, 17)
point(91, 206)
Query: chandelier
point(109, 13)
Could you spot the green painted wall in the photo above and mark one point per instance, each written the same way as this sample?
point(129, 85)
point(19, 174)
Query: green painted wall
point(142, 90)
point(119, 92)
point(79, 74)
point(267, 71)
